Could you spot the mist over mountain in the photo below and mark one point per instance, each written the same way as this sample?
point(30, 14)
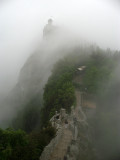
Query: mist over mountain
point(60, 82)
point(34, 74)
point(22, 24)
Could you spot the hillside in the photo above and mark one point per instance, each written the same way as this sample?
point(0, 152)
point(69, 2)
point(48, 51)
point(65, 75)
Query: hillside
point(48, 83)
point(95, 83)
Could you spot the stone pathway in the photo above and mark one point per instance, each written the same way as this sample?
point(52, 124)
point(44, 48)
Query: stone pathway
point(61, 149)
point(80, 115)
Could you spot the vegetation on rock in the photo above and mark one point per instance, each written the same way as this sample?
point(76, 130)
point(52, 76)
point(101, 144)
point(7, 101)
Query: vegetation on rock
point(59, 93)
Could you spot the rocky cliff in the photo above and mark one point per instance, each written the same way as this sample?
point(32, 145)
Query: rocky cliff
point(73, 140)
point(32, 78)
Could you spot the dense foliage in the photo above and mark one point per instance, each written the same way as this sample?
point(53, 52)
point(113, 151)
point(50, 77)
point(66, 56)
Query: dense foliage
point(10, 141)
point(17, 145)
point(59, 91)
point(99, 71)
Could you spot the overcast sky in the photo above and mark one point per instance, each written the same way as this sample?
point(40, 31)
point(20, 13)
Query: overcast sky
point(22, 21)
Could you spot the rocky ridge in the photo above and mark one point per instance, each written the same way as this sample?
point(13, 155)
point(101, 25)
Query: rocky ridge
point(72, 141)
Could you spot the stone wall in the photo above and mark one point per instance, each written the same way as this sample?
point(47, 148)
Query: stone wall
point(57, 121)
point(51, 146)
point(80, 146)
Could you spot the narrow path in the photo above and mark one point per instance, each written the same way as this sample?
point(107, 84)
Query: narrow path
point(61, 149)
point(80, 115)
point(78, 102)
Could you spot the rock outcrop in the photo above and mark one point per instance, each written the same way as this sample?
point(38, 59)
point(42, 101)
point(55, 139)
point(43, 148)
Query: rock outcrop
point(72, 142)
point(32, 79)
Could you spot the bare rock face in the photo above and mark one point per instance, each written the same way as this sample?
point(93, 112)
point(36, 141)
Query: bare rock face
point(81, 145)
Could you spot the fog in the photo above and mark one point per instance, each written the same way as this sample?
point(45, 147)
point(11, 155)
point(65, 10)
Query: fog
point(22, 23)
point(26, 58)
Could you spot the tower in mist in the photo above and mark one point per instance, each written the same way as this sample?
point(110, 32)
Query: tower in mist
point(49, 29)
